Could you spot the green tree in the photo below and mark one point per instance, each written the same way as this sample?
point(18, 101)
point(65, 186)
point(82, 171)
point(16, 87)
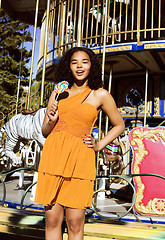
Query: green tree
point(13, 35)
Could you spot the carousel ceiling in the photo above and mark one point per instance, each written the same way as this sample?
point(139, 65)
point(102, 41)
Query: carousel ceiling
point(136, 62)
point(24, 10)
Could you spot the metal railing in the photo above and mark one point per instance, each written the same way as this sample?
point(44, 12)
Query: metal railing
point(81, 23)
point(3, 178)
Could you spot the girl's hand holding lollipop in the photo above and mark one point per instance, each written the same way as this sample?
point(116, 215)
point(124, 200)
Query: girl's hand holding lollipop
point(52, 110)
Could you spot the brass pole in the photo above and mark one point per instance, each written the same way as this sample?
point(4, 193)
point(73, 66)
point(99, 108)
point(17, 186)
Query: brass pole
point(63, 22)
point(126, 19)
point(146, 87)
point(45, 53)
point(100, 114)
point(53, 30)
point(60, 14)
point(97, 154)
point(58, 31)
point(132, 19)
point(71, 37)
point(104, 42)
point(145, 22)
point(92, 26)
point(159, 18)
point(102, 20)
point(120, 12)
point(97, 23)
point(19, 79)
point(79, 24)
point(113, 25)
point(41, 45)
point(75, 19)
point(87, 28)
point(67, 31)
point(109, 90)
point(152, 19)
point(33, 48)
point(138, 21)
point(50, 34)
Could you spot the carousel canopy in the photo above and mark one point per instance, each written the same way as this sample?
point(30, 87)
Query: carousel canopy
point(24, 10)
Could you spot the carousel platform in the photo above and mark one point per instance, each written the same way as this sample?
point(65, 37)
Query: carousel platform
point(27, 225)
point(25, 219)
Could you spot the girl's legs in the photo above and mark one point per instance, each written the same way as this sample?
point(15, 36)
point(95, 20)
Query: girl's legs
point(75, 219)
point(53, 220)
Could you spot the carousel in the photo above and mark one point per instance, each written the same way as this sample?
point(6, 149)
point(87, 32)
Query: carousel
point(129, 38)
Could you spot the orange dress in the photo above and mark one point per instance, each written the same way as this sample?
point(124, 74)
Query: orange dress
point(66, 171)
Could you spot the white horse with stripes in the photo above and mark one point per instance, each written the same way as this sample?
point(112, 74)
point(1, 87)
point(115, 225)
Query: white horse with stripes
point(19, 130)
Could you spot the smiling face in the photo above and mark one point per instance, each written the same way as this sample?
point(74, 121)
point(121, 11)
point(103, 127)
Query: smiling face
point(80, 65)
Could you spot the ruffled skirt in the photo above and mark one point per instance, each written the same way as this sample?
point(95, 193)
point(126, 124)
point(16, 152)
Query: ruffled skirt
point(68, 192)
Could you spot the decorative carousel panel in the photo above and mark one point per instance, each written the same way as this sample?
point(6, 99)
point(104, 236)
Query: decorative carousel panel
point(148, 145)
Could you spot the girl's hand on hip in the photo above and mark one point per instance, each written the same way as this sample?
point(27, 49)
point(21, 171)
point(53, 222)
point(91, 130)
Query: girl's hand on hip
point(91, 142)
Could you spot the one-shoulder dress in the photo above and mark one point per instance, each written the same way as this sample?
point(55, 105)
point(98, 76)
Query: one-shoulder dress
point(66, 171)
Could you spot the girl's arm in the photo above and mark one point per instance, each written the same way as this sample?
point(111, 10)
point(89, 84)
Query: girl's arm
point(108, 105)
point(51, 115)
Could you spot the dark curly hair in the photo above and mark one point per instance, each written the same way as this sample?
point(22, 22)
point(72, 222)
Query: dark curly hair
point(63, 73)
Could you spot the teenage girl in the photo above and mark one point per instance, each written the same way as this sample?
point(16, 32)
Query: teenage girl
point(67, 166)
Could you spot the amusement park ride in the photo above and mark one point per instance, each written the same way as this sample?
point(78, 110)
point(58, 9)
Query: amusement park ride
point(129, 38)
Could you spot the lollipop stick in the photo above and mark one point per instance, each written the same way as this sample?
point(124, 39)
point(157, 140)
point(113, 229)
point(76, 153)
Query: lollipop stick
point(56, 98)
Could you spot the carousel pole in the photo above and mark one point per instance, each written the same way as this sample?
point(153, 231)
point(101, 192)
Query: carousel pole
point(45, 52)
point(145, 106)
point(109, 90)
point(19, 79)
point(32, 59)
point(100, 114)
point(138, 21)
point(104, 41)
point(103, 59)
point(79, 25)
point(21, 178)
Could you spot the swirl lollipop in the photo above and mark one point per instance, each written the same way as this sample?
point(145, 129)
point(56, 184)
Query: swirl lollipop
point(60, 88)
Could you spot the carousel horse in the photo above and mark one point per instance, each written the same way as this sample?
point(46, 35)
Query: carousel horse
point(19, 130)
point(113, 23)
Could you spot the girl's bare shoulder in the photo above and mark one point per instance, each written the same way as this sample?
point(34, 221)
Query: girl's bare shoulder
point(104, 98)
point(102, 93)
